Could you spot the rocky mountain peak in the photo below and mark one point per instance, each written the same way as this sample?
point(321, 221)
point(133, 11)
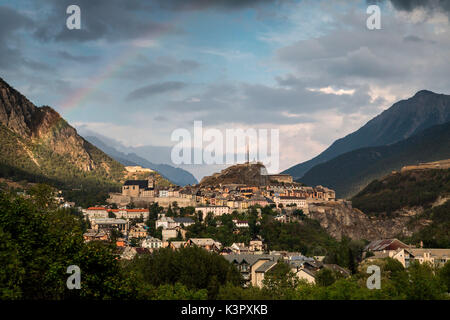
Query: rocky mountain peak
point(253, 174)
point(422, 93)
point(16, 112)
point(43, 125)
point(20, 115)
point(402, 120)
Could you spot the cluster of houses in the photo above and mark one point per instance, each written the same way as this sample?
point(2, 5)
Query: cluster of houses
point(252, 259)
point(103, 220)
point(405, 254)
point(149, 244)
point(255, 267)
point(124, 213)
point(173, 226)
point(279, 192)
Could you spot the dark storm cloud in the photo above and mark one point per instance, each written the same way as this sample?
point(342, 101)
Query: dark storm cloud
point(412, 38)
point(256, 103)
point(11, 58)
point(116, 20)
point(11, 20)
point(144, 68)
point(77, 58)
point(207, 4)
point(377, 66)
point(113, 20)
point(154, 89)
point(410, 5)
point(10, 23)
point(160, 118)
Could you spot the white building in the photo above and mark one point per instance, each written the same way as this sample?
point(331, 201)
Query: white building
point(131, 213)
point(163, 193)
point(240, 224)
point(151, 243)
point(170, 223)
point(216, 210)
point(96, 212)
point(100, 212)
point(290, 201)
point(109, 223)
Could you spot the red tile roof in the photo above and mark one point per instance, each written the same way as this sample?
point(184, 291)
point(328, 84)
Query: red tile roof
point(117, 210)
point(385, 244)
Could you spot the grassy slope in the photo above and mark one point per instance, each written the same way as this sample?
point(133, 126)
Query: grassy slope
point(16, 163)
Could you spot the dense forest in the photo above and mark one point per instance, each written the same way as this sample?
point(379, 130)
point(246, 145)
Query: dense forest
point(437, 233)
point(403, 189)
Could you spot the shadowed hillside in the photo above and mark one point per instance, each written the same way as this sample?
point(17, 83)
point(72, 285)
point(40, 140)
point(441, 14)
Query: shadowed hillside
point(404, 119)
point(349, 173)
point(38, 145)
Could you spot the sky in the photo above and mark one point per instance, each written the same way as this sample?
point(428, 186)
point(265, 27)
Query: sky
point(138, 70)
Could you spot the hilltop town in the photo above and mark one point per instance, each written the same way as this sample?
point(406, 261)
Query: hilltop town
point(236, 188)
point(145, 217)
point(234, 192)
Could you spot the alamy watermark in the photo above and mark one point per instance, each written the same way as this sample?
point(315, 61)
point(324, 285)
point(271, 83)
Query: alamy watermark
point(212, 146)
point(374, 281)
point(74, 280)
point(374, 20)
point(74, 20)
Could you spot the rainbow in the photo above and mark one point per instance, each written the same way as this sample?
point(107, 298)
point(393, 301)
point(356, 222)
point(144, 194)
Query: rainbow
point(77, 98)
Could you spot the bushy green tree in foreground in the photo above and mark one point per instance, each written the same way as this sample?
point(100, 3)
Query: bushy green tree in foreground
point(38, 244)
point(193, 267)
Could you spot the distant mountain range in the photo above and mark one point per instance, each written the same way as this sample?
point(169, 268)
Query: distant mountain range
point(157, 155)
point(351, 162)
point(175, 175)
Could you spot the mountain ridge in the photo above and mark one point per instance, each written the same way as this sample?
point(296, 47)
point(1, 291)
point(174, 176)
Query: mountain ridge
point(37, 143)
point(176, 175)
point(402, 120)
point(348, 173)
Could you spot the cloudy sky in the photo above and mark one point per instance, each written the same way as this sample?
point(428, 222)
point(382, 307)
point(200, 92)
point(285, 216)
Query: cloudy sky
point(137, 70)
